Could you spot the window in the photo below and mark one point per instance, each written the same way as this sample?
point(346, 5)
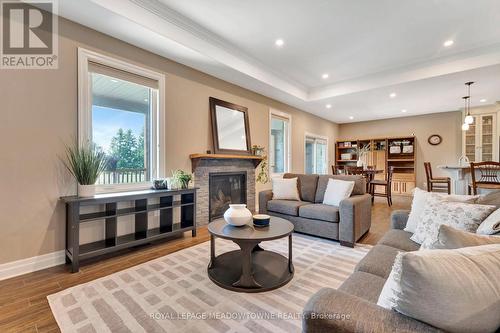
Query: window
point(316, 154)
point(119, 112)
point(279, 142)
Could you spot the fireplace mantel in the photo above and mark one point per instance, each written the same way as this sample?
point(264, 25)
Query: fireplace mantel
point(196, 158)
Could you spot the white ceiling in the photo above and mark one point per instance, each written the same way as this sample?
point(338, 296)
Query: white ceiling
point(368, 48)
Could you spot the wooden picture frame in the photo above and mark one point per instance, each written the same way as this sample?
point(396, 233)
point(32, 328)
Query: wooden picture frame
point(241, 143)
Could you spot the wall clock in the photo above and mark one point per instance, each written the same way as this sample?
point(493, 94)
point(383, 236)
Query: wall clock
point(435, 139)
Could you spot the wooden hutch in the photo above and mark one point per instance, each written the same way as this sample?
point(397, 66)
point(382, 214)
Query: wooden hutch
point(399, 152)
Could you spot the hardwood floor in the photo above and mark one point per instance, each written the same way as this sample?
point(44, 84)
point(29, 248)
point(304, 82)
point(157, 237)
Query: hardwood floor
point(23, 302)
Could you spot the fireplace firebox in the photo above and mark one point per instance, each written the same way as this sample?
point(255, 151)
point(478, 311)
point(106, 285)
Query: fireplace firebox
point(226, 188)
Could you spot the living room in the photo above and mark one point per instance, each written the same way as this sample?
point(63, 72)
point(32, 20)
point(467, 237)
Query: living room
point(131, 126)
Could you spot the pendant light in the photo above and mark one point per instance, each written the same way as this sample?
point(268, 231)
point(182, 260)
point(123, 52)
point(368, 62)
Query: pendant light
point(465, 125)
point(468, 118)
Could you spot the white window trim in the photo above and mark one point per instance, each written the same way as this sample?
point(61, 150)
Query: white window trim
point(288, 153)
point(85, 116)
point(321, 137)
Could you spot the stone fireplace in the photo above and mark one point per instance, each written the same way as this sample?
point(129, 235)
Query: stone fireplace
point(225, 188)
point(222, 179)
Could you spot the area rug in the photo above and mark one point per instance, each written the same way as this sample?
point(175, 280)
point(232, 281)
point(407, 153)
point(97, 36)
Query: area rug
point(174, 293)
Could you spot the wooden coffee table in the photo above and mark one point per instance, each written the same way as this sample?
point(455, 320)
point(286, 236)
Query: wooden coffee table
point(252, 268)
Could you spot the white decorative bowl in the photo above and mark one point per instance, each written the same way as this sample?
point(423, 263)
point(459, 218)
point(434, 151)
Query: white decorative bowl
point(238, 215)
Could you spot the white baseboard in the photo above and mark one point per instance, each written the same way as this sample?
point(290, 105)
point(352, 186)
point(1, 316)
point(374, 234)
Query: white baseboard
point(28, 265)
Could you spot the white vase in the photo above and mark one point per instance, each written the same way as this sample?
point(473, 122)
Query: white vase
point(238, 215)
point(359, 163)
point(86, 190)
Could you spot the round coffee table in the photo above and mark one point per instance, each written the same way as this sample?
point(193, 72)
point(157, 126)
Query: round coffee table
point(250, 269)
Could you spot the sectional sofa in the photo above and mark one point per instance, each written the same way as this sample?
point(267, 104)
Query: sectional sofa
point(357, 296)
point(346, 223)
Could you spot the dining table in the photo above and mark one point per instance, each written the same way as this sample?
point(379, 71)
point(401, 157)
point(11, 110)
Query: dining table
point(369, 175)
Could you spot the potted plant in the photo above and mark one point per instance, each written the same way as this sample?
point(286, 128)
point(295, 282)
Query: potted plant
point(262, 176)
point(181, 178)
point(257, 150)
point(85, 163)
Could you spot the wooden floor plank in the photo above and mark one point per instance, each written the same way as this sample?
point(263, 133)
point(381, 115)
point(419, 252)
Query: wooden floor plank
point(23, 302)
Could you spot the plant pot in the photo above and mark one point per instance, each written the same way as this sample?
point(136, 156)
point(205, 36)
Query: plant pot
point(86, 190)
point(238, 215)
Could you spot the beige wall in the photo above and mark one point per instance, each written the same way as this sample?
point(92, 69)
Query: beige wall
point(39, 116)
point(446, 124)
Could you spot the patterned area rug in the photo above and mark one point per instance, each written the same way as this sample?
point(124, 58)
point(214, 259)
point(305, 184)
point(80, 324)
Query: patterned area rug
point(174, 293)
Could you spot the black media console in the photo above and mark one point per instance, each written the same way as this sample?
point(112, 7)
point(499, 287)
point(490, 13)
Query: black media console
point(140, 208)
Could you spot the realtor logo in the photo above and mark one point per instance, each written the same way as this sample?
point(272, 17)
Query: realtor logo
point(29, 34)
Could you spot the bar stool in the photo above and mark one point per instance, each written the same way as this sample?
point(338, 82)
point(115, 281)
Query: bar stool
point(436, 184)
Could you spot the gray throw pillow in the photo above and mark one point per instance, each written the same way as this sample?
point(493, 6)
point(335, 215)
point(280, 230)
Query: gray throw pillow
point(451, 238)
point(454, 290)
point(492, 198)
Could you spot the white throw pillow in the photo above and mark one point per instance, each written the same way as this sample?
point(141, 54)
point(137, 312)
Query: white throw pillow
point(491, 225)
point(420, 198)
point(285, 189)
point(336, 191)
point(459, 215)
point(454, 290)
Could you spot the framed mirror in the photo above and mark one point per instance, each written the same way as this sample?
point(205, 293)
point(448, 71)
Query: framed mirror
point(230, 129)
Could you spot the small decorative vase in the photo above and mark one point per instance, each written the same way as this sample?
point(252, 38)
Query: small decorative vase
point(238, 215)
point(359, 163)
point(86, 190)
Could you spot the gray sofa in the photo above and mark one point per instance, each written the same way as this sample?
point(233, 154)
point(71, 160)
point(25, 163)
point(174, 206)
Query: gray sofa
point(357, 296)
point(346, 223)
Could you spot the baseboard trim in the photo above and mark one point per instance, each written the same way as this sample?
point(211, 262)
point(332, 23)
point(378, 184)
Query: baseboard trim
point(28, 265)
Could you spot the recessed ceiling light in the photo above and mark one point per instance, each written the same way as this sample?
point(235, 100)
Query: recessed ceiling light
point(325, 76)
point(482, 100)
point(392, 95)
point(328, 106)
point(448, 43)
point(351, 117)
point(279, 42)
point(404, 110)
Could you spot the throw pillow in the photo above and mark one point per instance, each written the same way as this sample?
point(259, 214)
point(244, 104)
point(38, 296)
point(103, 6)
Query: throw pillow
point(451, 238)
point(336, 191)
point(491, 225)
point(285, 189)
point(420, 197)
point(463, 216)
point(491, 198)
point(453, 290)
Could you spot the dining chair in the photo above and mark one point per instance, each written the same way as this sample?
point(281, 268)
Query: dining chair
point(436, 184)
point(488, 176)
point(338, 169)
point(354, 170)
point(387, 184)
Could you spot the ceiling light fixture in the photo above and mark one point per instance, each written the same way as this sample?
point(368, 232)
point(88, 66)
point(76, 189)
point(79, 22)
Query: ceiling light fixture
point(404, 110)
point(482, 100)
point(279, 42)
point(468, 118)
point(325, 76)
point(448, 43)
point(351, 117)
point(392, 95)
point(328, 106)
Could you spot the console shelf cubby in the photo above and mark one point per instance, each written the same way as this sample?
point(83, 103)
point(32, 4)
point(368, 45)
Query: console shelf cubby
point(140, 208)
